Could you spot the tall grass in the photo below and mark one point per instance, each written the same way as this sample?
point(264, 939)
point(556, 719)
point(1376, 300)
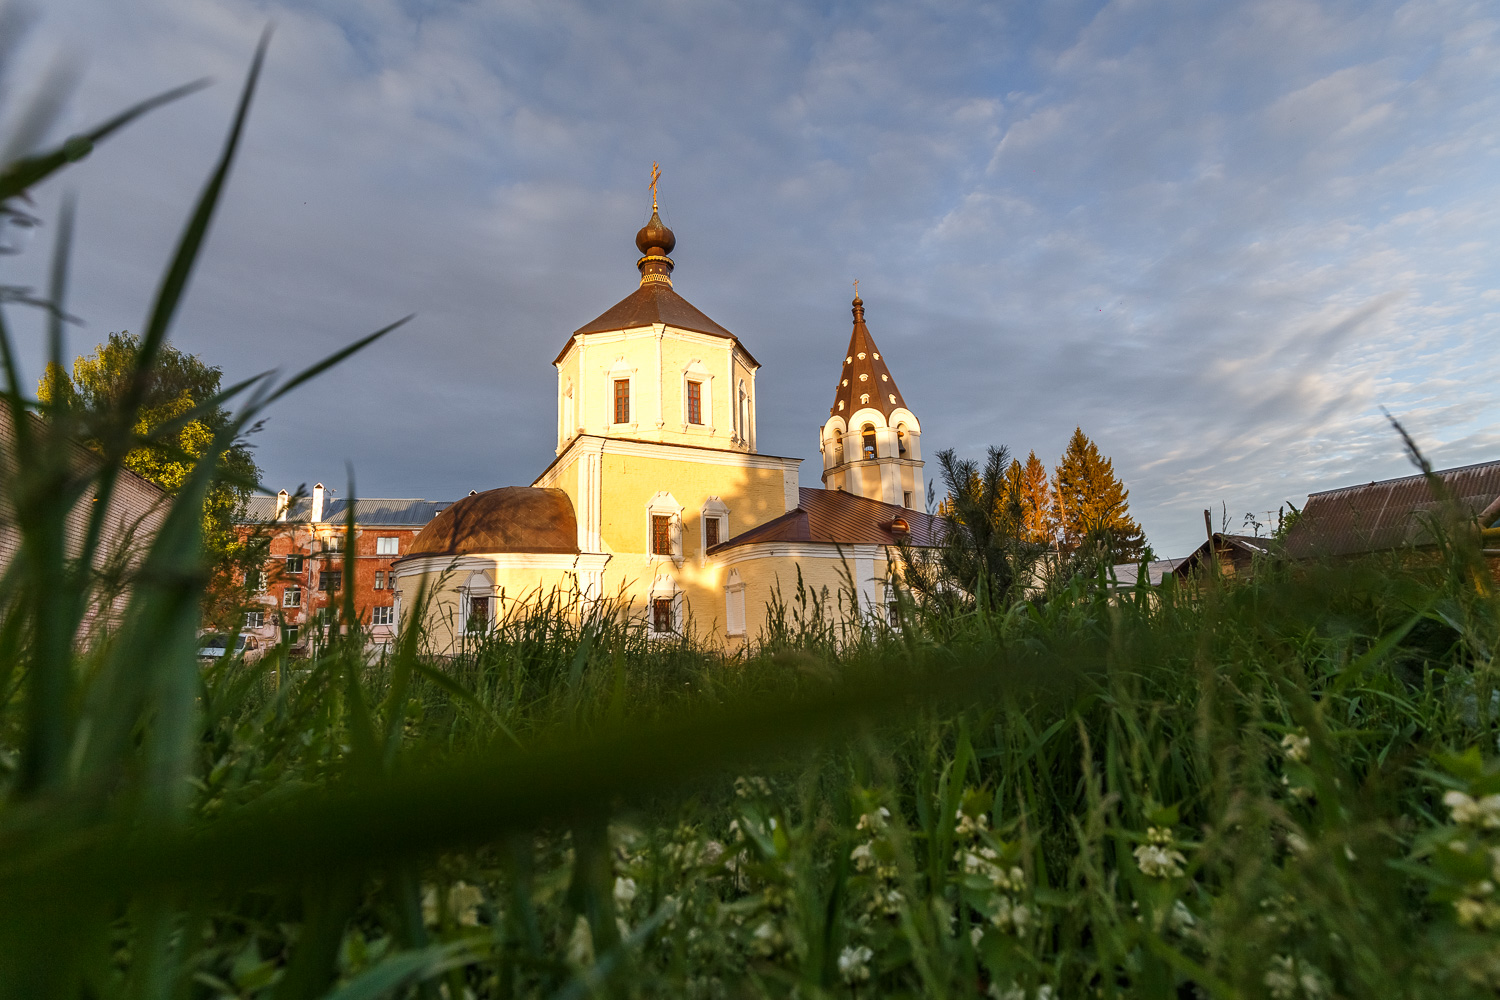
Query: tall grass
point(1281, 788)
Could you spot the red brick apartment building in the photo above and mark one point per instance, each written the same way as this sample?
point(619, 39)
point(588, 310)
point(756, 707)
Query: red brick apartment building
point(304, 575)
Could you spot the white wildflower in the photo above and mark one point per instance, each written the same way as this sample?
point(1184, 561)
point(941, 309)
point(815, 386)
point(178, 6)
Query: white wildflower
point(862, 857)
point(1287, 978)
point(624, 891)
point(1296, 747)
point(875, 821)
point(1011, 992)
point(753, 787)
point(970, 826)
point(976, 934)
point(1158, 835)
point(1298, 791)
point(713, 853)
point(854, 964)
point(1158, 861)
point(1181, 918)
point(1466, 811)
point(768, 940)
point(1297, 843)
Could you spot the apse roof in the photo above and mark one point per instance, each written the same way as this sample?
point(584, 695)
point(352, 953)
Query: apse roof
point(508, 519)
point(833, 517)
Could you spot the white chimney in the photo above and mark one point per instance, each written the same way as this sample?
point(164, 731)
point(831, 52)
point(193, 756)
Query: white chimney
point(282, 503)
point(317, 506)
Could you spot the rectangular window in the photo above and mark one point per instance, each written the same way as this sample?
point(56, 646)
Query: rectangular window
point(710, 532)
point(382, 616)
point(291, 597)
point(331, 579)
point(294, 563)
point(289, 634)
point(386, 546)
point(379, 579)
point(661, 615)
point(333, 543)
point(695, 402)
point(479, 614)
point(255, 619)
point(906, 498)
point(622, 400)
point(661, 535)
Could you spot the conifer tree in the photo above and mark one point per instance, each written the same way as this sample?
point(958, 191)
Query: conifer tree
point(1036, 500)
point(1090, 506)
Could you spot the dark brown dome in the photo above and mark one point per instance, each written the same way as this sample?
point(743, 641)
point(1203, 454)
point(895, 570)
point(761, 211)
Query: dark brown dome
point(510, 519)
point(655, 238)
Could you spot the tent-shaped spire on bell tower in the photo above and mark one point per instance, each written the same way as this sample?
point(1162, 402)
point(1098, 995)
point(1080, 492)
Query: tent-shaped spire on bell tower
point(871, 443)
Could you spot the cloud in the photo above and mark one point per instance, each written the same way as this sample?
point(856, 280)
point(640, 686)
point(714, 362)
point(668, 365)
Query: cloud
point(1217, 237)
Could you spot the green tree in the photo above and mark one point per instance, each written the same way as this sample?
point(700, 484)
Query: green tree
point(1090, 506)
point(179, 384)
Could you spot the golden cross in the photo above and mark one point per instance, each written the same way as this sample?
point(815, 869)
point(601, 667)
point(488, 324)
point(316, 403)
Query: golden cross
point(655, 176)
point(856, 288)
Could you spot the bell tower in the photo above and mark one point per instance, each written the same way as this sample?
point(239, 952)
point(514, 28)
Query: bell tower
point(871, 444)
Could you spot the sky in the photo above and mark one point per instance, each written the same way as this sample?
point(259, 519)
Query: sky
point(1221, 238)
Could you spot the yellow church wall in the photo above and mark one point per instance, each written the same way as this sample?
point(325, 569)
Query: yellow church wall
point(657, 361)
point(849, 585)
point(511, 580)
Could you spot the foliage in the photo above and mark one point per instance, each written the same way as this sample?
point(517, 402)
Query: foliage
point(182, 392)
point(1090, 506)
point(1274, 788)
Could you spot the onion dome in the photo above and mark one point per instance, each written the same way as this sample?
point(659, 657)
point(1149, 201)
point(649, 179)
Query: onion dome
point(655, 241)
point(865, 381)
point(509, 519)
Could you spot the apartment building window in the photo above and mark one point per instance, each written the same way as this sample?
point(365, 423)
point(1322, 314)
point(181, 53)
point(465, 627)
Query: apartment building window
point(255, 619)
point(710, 532)
point(694, 402)
point(331, 579)
point(661, 535)
point(289, 634)
point(661, 616)
point(622, 400)
point(383, 616)
point(291, 597)
point(379, 579)
point(387, 546)
point(333, 543)
point(294, 563)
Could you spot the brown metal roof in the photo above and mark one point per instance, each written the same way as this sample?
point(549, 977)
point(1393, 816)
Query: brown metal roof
point(832, 517)
point(865, 379)
point(1250, 546)
point(654, 302)
point(509, 519)
point(1388, 514)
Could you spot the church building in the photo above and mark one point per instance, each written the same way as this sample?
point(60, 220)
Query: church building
point(659, 498)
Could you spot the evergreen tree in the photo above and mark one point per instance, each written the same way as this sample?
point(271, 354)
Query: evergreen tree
point(1090, 506)
point(1036, 500)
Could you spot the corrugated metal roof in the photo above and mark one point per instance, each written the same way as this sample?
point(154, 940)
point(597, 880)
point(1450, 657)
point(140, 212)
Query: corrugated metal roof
point(1251, 545)
point(372, 511)
point(1126, 574)
point(1387, 515)
point(832, 517)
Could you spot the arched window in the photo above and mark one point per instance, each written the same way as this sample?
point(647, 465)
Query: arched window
point(868, 433)
point(901, 440)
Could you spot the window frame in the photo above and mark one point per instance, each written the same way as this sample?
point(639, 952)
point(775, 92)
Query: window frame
point(386, 611)
point(255, 619)
point(324, 587)
point(380, 579)
point(618, 399)
point(695, 402)
point(663, 609)
point(388, 545)
point(661, 535)
point(869, 442)
point(289, 569)
point(291, 597)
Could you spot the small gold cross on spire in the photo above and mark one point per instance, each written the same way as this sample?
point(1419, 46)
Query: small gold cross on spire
point(856, 288)
point(655, 176)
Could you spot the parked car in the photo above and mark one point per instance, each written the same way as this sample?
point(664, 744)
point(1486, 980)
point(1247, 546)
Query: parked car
point(211, 646)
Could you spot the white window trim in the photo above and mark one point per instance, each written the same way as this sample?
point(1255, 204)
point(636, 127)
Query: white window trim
point(395, 545)
point(696, 372)
point(712, 507)
point(734, 600)
point(665, 504)
point(375, 611)
point(287, 593)
point(477, 585)
point(620, 370)
point(664, 588)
